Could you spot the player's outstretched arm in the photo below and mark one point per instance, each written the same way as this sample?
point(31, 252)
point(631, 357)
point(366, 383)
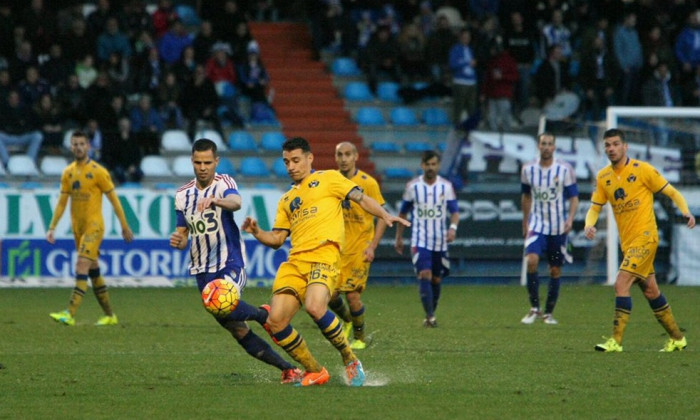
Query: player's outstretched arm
point(372, 207)
point(231, 202)
point(273, 239)
point(680, 202)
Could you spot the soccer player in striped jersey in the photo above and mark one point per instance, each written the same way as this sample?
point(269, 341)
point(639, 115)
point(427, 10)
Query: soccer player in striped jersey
point(311, 215)
point(547, 186)
point(204, 209)
point(361, 239)
point(429, 199)
point(629, 186)
point(85, 181)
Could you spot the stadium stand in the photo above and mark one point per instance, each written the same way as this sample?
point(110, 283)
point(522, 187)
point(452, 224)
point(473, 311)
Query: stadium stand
point(345, 66)
point(272, 141)
point(418, 146)
point(435, 117)
point(398, 173)
point(358, 91)
point(22, 165)
point(53, 165)
point(370, 116)
point(254, 167)
point(225, 167)
point(182, 166)
point(388, 91)
point(241, 141)
point(403, 116)
point(212, 135)
point(175, 141)
point(279, 168)
point(385, 147)
point(157, 166)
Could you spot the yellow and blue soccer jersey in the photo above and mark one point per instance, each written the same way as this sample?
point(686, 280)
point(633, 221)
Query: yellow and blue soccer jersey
point(311, 211)
point(85, 183)
point(630, 192)
point(359, 225)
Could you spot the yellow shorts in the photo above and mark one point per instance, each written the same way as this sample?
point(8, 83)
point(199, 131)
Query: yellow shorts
point(638, 258)
point(317, 266)
point(354, 271)
point(88, 244)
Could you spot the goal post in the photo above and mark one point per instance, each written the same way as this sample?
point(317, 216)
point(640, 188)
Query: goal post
point(613, 116)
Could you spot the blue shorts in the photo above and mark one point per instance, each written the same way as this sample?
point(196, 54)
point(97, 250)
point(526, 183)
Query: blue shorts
point(555, 246)
point(437, 262)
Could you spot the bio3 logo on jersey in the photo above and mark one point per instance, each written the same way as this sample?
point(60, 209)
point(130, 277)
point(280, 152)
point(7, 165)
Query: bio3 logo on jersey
point(203, 225)
point(545, 194)
point(430, 212)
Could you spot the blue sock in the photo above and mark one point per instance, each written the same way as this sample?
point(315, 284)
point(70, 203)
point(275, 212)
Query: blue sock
point(326, 320)
point(246, 312)
point(552, 294)
point(658, 303)
point(533, 289)
point(437, 287)
point(426, 297)
point(624, 303)
point(258, 348)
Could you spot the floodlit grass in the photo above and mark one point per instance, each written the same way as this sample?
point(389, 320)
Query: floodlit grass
point(169, 359)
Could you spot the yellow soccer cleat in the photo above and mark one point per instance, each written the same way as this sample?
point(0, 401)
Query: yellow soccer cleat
point(609, 346)
point(64, 317)
point(108, 320)
point(347, 330)
point(674, 345)
point(358, 345)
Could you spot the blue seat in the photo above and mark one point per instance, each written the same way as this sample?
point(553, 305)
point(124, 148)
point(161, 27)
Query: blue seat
point(435, 117)
point(134, 185)
point(265, 186)
point(187, 15)
point(369, 116)
point(242, 141)
point(345, 66)
point(165, 186)
point(418, 146)
point(384, 146)
point(225, 167)
point(388, 91)
point(254, 166)
point(30, 185)
point(225, 89)
point(398, 173)
point(358, 91)
point(4, 185)
point(442, 146)
point(403, 116)
point(279, 168)
point(272, 141)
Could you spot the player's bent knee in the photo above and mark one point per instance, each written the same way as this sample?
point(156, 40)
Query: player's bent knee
point(238, 329)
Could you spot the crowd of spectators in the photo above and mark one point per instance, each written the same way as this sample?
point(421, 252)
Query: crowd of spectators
point(502, 57)
point(124, 72)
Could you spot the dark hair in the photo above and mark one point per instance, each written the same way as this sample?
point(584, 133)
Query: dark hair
point(296, 143)
point(202, 145)
point(546, 133)
point(615, 132)
point(429, 154)
point(78, 133)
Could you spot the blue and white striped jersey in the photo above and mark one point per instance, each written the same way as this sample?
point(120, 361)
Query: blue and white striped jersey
point(551, 189)
point(429, 205)
point(216, 240)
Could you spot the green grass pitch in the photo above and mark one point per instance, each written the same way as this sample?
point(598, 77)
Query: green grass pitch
point(169, 359)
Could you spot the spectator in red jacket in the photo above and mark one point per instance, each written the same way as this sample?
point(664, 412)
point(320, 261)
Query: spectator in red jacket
point(500, 78)
point(220, 67)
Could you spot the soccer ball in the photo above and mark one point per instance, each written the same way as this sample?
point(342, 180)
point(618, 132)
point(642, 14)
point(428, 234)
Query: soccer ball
point(220, 297)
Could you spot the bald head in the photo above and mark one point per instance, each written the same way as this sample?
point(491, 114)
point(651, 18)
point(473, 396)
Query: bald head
point(346, 158)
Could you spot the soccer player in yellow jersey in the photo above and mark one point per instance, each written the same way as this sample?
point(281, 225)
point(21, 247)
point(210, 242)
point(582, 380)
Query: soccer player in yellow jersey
point(361, 239)
point(310, 213)
point(84, 181)
point(629, 186)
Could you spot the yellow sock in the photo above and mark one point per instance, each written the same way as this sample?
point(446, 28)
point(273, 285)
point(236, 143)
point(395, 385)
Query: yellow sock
point(99, 287)
point(622, 317)
point(76, 297)
point(333, 331)
point(358, 324)
point(668, 321)
point(295, 346)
